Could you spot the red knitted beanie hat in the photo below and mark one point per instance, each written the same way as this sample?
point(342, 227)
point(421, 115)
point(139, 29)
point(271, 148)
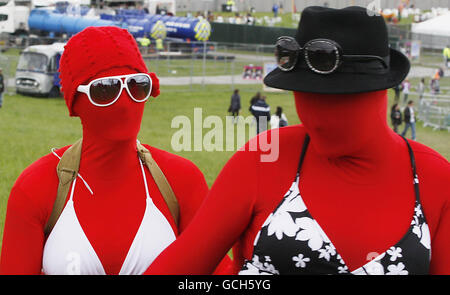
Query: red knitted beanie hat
point(93, 50)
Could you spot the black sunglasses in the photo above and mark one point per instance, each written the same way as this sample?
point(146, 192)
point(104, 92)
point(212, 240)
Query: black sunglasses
point(322, 56)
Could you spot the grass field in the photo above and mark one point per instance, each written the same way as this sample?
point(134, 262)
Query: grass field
point(30, 127)
point(287, 19)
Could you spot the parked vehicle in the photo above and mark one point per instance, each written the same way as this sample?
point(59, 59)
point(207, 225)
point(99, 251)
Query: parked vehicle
point(14, 18)
point(37, 70)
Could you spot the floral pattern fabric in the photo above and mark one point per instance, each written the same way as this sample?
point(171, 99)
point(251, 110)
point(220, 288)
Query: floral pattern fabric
point(292, 242)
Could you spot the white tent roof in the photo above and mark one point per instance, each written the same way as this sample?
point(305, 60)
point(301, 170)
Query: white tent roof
point(439, 26)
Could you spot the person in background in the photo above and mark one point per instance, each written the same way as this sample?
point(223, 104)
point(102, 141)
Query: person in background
point(440, 72)
point(159, 45)
point(446, 54)
point(144, 42)
point(400, 10)
point(210, 16)
point(397, 93)
point(254, 99)
point(410, 120)
point(435, 85)
point(396, 117)
point(235, 105)
point(2, 87)
point(261, 110)
point(250, 19)
point(275, 10)
point(252, 102)
point(278, 119)
point(231, 4)
point(421, 88)
point(219, 19)
point(406, 87)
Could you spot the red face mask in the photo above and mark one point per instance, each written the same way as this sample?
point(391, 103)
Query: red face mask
point(340, 125)
point(117, 122)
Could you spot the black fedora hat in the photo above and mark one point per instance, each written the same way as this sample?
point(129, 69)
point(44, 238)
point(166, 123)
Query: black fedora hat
point(357, 32)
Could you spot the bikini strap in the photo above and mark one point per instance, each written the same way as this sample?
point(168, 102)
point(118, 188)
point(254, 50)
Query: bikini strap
point(302, 155)
point(414, 172)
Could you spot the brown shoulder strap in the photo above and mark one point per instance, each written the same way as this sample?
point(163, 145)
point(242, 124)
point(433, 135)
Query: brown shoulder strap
point(67, 170)
point(161, 181)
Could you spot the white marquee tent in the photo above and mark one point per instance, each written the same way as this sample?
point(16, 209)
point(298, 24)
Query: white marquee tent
point(438, 26)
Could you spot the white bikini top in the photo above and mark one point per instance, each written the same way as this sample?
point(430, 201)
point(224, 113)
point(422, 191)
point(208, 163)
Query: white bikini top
point(68, 250)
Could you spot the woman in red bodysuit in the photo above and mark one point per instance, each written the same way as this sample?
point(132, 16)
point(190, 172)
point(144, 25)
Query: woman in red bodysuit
point(356, 205)
point(115, 212)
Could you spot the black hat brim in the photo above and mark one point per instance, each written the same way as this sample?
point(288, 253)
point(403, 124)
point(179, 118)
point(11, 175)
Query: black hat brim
point(305, 80)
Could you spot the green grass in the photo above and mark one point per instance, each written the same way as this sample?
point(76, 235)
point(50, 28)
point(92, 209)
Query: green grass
point(286, 18)
point(195, 67)
point(12, 51)
point(30, 127)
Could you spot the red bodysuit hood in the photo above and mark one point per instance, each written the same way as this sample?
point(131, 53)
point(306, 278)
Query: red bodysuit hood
point(95, 50)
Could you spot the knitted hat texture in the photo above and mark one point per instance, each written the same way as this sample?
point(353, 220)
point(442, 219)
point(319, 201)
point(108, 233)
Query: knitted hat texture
point(93, 50)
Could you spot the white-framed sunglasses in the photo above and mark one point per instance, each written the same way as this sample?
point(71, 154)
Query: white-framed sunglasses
point(105, 91)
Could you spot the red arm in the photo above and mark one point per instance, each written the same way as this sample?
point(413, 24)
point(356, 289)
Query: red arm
point(27, 212)
point(440, 245)
point(190, 187)
point(23, 236)
point(435, 188)
point(220, 221)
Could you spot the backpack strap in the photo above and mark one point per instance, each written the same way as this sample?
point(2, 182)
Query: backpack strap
point(67, 170)
point(161, 181)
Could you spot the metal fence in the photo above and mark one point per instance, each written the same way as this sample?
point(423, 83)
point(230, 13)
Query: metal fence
point(431, 41)
point(8, 65)
point(197, 66)
point(222, 65)
point(185, 66)
point(433, 110)
point(266, 5)
point(403, 33)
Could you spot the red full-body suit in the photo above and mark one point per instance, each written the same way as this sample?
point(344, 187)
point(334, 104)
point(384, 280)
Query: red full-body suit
point(356, 182)
point(109, 163)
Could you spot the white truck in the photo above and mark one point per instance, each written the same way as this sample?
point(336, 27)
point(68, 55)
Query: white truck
point(37, 70)
point(13, 18)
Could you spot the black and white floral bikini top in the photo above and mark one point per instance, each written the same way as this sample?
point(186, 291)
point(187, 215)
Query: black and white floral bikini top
point(292, 242)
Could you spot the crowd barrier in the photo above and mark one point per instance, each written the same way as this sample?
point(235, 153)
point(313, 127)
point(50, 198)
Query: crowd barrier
point(434, 111)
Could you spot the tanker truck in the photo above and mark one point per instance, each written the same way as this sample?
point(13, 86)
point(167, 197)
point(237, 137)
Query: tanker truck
point(182, 28)
point(45, 20)
point(185, 28)
point(136, 22)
